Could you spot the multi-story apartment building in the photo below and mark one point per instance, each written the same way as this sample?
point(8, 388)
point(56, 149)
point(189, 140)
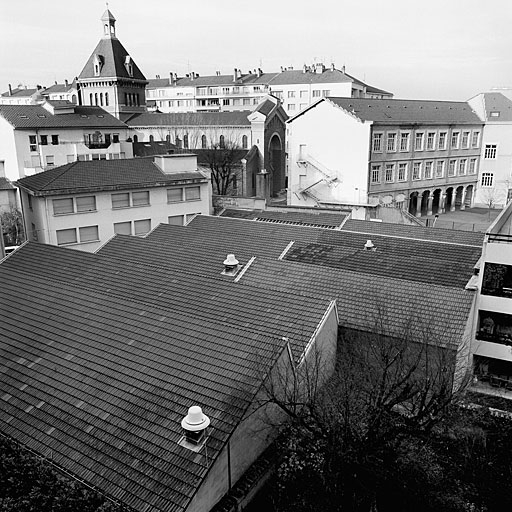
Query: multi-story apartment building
point(296, 89)
point(39, 137)
point(493, 325)
point(495, 178)
point(83, 204)
point(418, 155)
point(66, 91)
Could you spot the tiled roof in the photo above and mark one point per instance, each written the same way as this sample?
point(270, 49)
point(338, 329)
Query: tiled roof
point(191, 119)
point(266, 107)
point(297, 76)
point(54, 89)
point(268, 233)
point(393, 265)
point(103, 175)
point(157, 82)
point(184, 248)
point(119, 271)
point(417, 232)
point(20, 93)
point(5, 184)
point(438, 314)
point(114, 55)
point(35, 116)
point(307, 218)
point(391, 111)
point(497, 103)
point(100, 382)
point(153, 148)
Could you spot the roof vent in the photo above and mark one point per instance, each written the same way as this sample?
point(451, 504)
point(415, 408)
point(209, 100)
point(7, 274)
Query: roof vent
point(368, 246)
point(231, 266)
point(194, 426)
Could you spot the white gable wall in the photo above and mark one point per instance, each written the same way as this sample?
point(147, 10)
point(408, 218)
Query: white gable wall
point(339, 143)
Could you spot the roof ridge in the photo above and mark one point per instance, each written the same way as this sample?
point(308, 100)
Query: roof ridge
point(65, 169)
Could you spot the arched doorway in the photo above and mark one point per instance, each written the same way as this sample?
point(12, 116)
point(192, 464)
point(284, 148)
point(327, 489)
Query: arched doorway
point(275, 150)
point(413, 203)
point(436, 201)
point(135, 138)
point(469, 196)
point(458, 197)
point(449, 204)
point(424, 202)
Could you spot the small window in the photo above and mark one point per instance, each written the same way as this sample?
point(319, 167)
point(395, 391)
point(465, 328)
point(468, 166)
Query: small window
point(416, 171)
point(29, 197)
point(455, 140)
point(55, 140)
point(88, 234)
point(62, 206)
point(451, 167)
point(404, 142)
point(391, 142)
point(472, 166)
point(192, 193)
point(375, 176)
point(86, 204)
point(44, 140)
point(389, 172)
point(418, 141)
point(32, 139)
point(377, 142)
point(431, 140)
point(140, 198)
point(123, 228)
point(66, 236)
point(121, 200)
point(203, 141)
point(115, 138)
point(439, 168)
point(174, 195)
point(465, 140)
point(475, 139)
point(490, 151)
point(244, 141)
point(185, 141)
point(462, 166)
point(402, 171)
point(428, 170)
point(141, 227)
point(487, 179)
point(175, 220)
point(222, 142)
point(442, 140)
point(316, 94)
point(34, 232)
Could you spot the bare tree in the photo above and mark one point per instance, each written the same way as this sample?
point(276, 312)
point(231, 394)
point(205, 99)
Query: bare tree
point(386, 392)
point(11, 224)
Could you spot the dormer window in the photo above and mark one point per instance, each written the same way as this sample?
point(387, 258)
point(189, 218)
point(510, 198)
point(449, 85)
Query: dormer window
point(98, 64)
point(128, 64)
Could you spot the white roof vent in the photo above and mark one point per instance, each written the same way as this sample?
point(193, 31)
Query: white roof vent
point(231, 265)
point(368, 246)
point(194, 426)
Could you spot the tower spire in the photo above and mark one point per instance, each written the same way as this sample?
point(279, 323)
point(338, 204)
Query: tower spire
point(109, 23)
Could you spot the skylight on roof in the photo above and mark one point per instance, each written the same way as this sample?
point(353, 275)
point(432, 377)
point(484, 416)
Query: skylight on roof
point(100, 115)
point(41, 115)
point(23, 116)
point(495, 114)
point(84, 116)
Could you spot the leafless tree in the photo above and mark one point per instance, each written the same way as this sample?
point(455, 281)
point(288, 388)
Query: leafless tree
point(11, 224)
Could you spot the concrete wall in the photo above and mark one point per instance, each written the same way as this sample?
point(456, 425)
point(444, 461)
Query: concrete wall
point(340, 143)
point(8, 150)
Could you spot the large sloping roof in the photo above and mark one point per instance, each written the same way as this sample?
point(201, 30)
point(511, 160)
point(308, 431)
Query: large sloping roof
point(103, 175)
point(113, 55)
point(5, 184)
point(101, 357)
point(20, 92)
point(408, 111)
point(497, 106)
point(238, 118)
point(36, 116)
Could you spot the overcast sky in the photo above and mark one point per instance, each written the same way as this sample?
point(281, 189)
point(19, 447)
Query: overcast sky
point(435, 49)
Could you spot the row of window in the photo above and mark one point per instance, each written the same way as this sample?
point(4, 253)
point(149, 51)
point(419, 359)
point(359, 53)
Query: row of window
point(184, 143)
point(428, 140)
point(391, 172)
point(304, 94)
point(82, 204)
point(89, 139)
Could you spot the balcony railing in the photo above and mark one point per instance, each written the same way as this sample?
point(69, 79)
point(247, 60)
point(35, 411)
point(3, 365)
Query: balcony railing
point(97, 145)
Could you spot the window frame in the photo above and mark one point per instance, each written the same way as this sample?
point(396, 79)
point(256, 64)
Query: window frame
point(391, 142)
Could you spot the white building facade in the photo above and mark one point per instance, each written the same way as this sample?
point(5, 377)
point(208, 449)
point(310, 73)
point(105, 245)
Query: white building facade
point(128, 197)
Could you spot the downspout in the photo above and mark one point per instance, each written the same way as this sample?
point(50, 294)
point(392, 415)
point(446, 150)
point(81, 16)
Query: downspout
point(229, 465)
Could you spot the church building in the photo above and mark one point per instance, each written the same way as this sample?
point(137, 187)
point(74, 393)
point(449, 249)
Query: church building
point(111, 79)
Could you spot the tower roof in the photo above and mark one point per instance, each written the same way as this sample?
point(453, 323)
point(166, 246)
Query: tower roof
point(113, 56)
point(108, 16)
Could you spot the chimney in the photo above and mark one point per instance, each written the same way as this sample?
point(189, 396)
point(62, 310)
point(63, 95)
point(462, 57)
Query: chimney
point(282, 69)
point(66, 82)
point(239, 73)
point(194, 426)
point(260, 72)
point(10, 90)
point(235, 74)
point(332, 66)
point(368, 246)
point(343, 69)
point(304, 68)
point(231, 266)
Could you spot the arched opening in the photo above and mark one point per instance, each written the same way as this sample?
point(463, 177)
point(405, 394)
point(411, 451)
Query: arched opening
point(276, 165)
point(73, 99)
point(222, 143)
point(413, 203)
point(96, 98)
point(458, 197)
point(106, 99)
point(436, 201)
point(91, 99)
point(424, 202)
point(135, 138)
point(449, 204)
point(151, 138)
point(185, 141)
point(400, 201)
point(244, 142)
point(203, 142)
point(469, 196)
point(101, 99)
point(168, 138)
